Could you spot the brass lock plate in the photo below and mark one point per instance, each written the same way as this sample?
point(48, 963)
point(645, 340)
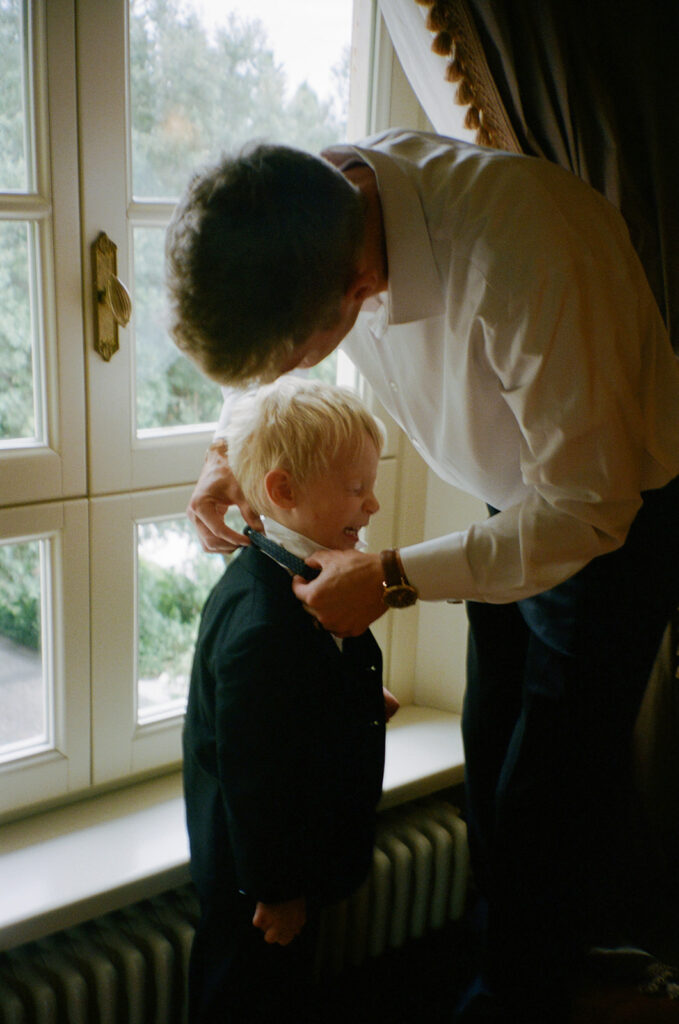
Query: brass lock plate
point(104, 258)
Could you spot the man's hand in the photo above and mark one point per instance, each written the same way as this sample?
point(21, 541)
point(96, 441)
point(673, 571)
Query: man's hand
point(347, 596)
point(213, 495)
point(280, 922)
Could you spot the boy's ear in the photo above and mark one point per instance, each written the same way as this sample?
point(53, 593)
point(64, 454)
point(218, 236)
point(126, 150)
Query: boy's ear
point(279, 488)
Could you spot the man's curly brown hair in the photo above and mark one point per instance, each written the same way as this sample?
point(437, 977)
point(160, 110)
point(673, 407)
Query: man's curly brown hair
point(259, 252)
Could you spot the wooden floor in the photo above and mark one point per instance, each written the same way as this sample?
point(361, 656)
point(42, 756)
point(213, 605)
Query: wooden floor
point(618, 1002)
point(623, 1004)
point(421, 984)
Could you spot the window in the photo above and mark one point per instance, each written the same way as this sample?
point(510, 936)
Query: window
point(24, 586)
point(105, 109)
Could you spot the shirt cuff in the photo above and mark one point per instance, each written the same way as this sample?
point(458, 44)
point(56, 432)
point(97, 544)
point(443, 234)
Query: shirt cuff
point(440, 570)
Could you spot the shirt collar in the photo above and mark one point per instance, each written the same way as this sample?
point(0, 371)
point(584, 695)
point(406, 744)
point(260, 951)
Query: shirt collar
point(414, 286)
point(295, 542)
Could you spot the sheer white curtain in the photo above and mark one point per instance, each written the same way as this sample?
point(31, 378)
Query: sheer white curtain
point(425, 70)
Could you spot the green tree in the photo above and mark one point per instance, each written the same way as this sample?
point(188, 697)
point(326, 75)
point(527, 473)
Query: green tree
point(230, 89)
point(17, 418)
point(20, 593)
point(16, 364)
point(171, 600)
point(12, 152)
point(194, 95)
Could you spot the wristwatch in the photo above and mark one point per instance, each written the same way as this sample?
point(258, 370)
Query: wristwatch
point(398, 592)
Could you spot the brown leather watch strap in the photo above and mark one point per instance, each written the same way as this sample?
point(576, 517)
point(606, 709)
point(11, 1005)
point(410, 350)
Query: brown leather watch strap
point(392, 568)
point(398, 591)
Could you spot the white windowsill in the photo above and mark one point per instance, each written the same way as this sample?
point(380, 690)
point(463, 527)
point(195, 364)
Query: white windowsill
point(69, 865)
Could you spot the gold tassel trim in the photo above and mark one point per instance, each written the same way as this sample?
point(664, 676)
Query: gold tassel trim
point(453, 38)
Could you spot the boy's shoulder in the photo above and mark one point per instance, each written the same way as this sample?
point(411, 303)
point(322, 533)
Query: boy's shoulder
point(253, 592)
point(252, 572)
point(254, 602)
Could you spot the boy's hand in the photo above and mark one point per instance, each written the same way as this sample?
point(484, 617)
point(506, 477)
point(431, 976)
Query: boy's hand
point(280, 922)
point(391, 703)
point(214, 493)
point(347, 596)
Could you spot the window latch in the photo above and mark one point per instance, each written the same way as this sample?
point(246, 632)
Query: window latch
point(113, 302)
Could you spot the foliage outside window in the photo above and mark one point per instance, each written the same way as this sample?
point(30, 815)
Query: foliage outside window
point(194, 92)
point(231, 90)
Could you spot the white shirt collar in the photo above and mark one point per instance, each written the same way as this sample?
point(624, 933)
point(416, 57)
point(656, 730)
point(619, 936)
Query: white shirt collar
point(414, 291)
point(295, 542)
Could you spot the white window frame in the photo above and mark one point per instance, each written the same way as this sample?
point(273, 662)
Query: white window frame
point(84, 488)
point(63, 766)
point(55, 466)
point(121, 746)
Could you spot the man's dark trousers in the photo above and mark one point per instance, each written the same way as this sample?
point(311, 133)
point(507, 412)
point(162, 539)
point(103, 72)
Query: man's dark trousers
point(554, 687)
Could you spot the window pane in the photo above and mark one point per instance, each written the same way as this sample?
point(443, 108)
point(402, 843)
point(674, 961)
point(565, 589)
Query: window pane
point(171, 392)
point(13, 162)
point(23, 689)
point(336, 368)
point(174, 578)
point(17, 369)
point(209, 75)
point(247, 71)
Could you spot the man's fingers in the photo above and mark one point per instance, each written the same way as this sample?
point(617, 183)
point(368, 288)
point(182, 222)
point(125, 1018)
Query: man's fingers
point(214, 534)
point(223, 543)
point(251, 518)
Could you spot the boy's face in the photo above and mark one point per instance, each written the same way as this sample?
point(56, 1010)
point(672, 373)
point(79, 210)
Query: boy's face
point(331, 509)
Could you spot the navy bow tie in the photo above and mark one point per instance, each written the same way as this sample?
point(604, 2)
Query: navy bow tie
point(280, 555)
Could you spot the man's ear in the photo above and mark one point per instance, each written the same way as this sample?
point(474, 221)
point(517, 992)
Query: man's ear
point(279, 488)
point(363, 284)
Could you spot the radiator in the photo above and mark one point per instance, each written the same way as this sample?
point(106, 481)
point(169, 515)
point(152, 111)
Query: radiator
point(418, 882)
point(131, 965)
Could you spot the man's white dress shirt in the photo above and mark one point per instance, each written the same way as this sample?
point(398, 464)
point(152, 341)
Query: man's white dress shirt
point(520, 348)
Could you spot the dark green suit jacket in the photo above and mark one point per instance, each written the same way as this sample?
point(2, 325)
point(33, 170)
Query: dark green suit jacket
point(283, 745)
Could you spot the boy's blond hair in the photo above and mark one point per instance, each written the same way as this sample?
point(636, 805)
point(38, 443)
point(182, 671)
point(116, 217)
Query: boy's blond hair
point(298, 425)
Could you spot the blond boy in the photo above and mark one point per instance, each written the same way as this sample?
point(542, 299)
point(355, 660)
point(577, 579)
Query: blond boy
point(284, 736)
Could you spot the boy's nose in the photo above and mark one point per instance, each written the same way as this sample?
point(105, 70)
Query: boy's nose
point(371, 505)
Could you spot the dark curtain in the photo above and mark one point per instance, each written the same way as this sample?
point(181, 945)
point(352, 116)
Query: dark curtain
point(593, 86)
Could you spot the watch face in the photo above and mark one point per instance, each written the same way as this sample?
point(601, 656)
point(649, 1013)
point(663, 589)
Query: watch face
point(400, 596)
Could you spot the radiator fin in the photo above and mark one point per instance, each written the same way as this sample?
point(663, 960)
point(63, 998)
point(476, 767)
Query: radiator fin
point(418, 882)
point(131, 966)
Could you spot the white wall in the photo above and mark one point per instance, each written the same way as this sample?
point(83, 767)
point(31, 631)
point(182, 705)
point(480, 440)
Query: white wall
point(428, 643)
point(442, 628)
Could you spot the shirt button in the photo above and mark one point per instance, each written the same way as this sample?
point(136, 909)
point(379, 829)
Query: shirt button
point(393, 385)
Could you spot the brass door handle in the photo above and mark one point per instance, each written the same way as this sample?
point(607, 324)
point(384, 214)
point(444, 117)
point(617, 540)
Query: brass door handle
point(112, 299)
point(119, 301)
